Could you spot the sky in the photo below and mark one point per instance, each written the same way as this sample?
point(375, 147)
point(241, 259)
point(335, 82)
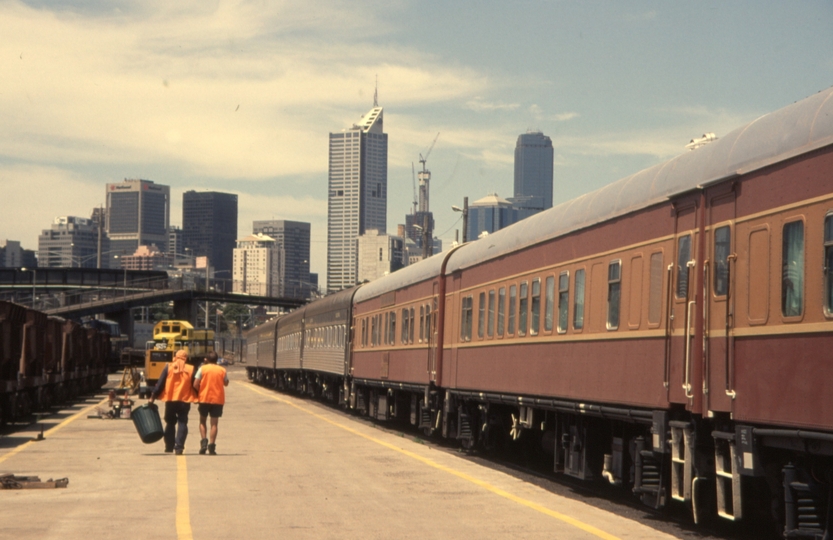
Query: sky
point(240, 96)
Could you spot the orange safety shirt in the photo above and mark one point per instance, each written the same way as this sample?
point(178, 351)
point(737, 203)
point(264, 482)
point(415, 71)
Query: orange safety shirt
point(178, 386)
point(212, 384)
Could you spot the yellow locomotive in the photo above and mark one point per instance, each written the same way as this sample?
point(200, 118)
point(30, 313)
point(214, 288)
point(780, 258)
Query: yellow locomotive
point(172, 336)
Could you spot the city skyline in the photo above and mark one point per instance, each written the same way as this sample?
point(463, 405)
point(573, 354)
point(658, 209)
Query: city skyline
point(239, 98)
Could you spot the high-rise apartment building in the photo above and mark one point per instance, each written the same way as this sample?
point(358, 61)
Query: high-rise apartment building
point(70, 242)
point(292, 239)
point(209, 227)
point(138, 214)
point(358, 193)
point(256, 266)
point(533, 174)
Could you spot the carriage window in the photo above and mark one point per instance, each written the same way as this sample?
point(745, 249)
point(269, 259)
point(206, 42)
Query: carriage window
point(501, 309)
point(481, 314)
point(428, 328)
point(614, 292)
point(563, 299)
point(578, 301)
point(683, 256)
point(490, 326)
point(655, 291)
point(465, 319)
point(722, 249)
point(373, 331)
point(412, 323)
point(523, 308)
point(548, 315)
point(392, 331)
point(828, 264)
point(792, 276)
point(535, 314)
point(421, 322)
point(404, 336)
point(510, 326)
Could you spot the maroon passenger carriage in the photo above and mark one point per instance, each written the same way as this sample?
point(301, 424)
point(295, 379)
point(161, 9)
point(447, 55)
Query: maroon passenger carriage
point(669, 333)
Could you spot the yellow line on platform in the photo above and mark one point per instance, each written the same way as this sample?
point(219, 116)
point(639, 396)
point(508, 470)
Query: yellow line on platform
point(51, 431)
point(183, 505)
point(497, 491)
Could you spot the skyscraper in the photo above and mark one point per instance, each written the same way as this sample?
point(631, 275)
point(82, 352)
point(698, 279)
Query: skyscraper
point(358, 194)
point(138, 214)
point(292, 239)
point(533, 174)
point(209, 227)
point(70, 242)
point(490, 214)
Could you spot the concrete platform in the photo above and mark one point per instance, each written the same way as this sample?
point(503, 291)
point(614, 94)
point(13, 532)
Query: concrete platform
point(287, 468)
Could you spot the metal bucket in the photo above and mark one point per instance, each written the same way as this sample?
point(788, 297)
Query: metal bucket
point(148, 423)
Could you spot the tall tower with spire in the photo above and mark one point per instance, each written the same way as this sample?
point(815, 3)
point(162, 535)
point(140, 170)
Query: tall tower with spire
point(358, 193)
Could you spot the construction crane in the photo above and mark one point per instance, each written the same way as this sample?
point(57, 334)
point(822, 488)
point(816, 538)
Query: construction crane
point(425, 178)
point(413, 180)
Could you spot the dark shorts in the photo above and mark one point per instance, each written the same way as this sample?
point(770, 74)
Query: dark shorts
point(210, 409)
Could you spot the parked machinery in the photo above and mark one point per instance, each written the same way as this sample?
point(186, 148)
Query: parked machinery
point(668, 333)
point(46, 360)
point(170, 336)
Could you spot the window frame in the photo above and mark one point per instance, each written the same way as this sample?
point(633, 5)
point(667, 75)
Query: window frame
point(718, 271)
point(481, 314)
point(535, 307)
point(565, 291)
point(501, 311)
point(614, 285)
point(801, 273)
point(523, 308)
point(490, 315)
point(578, 314)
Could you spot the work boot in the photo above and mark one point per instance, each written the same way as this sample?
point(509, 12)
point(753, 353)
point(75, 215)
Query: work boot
point(178, 451)
point(212, 449)
point(203, 446)
point(168, 450)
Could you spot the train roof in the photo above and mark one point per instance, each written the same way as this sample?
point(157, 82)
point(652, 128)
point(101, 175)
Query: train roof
point(413, 273)
point(797, 129)
point(332, 302)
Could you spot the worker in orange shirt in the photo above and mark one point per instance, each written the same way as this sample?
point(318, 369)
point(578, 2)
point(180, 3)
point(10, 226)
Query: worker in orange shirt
point(210, 382)
point(174, 387)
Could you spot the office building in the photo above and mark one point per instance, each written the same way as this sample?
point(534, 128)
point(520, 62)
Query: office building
point(12, 255)
point(533, 174)
point(292, 239)
point(70, 242)
point(146, 258)
point(138, 214)
point(256, 266)
point(380, 254)
point(176, 247)
point(357, 197)
point(490, 214)
point(209, 227)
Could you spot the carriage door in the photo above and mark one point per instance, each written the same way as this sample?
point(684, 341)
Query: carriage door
point(682, 304)
point(430, 323)
point(719, 316)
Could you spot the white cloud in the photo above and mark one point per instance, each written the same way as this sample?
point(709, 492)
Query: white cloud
point(564, 117)
point(478, 104)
